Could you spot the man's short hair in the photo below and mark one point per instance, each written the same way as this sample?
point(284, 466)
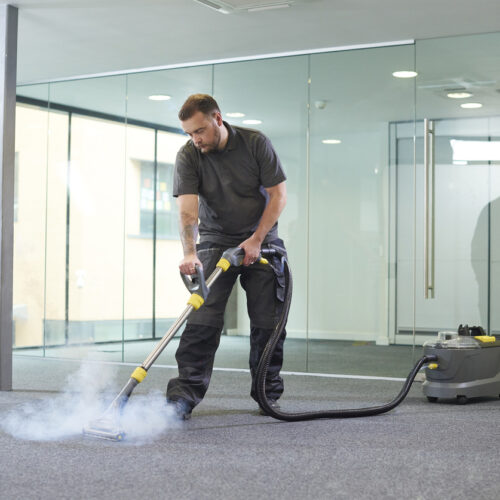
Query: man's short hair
point(198, 102)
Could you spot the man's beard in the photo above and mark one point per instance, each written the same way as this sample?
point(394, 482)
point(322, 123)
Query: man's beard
point(214, 145)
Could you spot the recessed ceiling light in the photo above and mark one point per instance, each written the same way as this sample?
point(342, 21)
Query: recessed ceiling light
point(159, 97)
point(331, 141)
point(235, 115)
point(269, 7)
point(405, 74)
point(252, 122)
point(459, 95)
point(215, 5)
point(471, 105)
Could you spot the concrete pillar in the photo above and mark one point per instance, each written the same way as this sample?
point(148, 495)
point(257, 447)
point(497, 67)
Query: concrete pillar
point(8, 66)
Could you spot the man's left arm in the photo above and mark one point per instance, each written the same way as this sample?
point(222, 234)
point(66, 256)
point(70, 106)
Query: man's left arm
point(275, 205)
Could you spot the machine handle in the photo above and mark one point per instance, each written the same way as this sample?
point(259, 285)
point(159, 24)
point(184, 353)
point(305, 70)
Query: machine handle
point(196, 283)
point(236, 255)
point(268, 251)
point(429, 203)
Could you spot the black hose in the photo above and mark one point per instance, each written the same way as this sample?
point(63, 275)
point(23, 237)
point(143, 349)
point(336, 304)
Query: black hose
point(343, 413)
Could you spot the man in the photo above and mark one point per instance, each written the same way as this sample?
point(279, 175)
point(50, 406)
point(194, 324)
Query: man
point(230, 187)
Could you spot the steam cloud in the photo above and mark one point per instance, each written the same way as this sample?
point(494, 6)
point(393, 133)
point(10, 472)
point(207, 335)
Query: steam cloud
point(86, 397)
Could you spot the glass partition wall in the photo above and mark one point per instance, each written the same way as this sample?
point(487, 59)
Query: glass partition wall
point(354, 100)
point(96, 242)
point(30, 213)
point(272, 96)
point(458, 117)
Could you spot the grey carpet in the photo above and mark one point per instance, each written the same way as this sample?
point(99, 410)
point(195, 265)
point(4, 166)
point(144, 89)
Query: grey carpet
point(228, 451)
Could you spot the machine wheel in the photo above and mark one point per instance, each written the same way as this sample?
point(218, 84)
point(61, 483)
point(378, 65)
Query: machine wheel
point(461, 400)
point(432, 399)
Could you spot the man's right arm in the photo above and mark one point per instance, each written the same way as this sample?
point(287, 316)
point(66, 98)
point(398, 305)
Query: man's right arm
point(188, 228)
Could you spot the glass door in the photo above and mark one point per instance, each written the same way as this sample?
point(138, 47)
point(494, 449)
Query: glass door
point(457, 187)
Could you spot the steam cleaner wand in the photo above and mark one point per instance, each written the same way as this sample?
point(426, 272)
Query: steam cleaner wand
point(107, 426)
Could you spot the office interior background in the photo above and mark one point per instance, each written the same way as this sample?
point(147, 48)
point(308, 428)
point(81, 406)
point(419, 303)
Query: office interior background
point(386, 247)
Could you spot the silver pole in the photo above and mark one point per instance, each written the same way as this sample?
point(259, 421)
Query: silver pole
point(148, 362)
point(428, 212)
point(8, 68)
point(432, 198)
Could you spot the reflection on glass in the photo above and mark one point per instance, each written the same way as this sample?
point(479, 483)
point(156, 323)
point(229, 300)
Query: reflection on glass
point(479, 151)
point(466, 183)
point(151, 205)
point(274, 92)
point(176, 83)
point(89, 253)
point(171, 295)
point(350, 232)
point(460, 194)
point(56, 223)
point(138, 244)
point(95, 305)
point(32, 125)
point(494, 245)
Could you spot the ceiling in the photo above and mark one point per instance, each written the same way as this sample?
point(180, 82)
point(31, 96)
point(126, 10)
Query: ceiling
point(64, 38)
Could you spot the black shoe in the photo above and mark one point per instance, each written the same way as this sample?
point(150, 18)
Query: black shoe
point(273, 403)
point(181, 408)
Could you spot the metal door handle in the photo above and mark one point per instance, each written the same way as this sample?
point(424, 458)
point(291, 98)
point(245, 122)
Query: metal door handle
point(429, 202)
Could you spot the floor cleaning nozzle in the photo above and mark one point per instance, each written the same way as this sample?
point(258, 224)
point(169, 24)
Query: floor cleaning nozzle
point(108, 425)
point(104, 428)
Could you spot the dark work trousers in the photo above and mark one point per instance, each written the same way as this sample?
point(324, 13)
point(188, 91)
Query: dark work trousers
point(264, 287)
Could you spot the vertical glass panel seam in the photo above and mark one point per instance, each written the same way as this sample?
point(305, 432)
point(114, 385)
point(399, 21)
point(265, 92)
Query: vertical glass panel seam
point(490, 200)
point(213, 79)
point(46, 226)
point(124, 218)
point(155, 220)
point(414, 326)
point(308, 165)
point(68, 224)
point(391, 161)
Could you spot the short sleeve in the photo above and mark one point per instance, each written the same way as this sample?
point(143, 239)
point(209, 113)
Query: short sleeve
point(271, 170)
point(186, 179)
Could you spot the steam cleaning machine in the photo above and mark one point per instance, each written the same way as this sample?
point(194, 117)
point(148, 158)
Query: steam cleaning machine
point(460, 366)
point(467, 365)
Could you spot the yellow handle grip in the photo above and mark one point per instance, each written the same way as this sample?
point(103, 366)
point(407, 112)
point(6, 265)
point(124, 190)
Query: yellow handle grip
point(196, 301)
point(224, 264)
point(139, 374)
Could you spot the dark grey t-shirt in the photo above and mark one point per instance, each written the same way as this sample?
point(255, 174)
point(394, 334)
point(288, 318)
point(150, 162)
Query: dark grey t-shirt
point(230, 184)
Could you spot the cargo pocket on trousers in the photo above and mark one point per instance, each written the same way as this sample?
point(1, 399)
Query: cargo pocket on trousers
point(277, 263)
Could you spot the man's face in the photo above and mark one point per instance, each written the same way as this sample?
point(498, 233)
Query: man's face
point(204, 131)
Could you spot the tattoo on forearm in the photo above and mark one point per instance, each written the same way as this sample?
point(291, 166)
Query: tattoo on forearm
point(189, 234)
